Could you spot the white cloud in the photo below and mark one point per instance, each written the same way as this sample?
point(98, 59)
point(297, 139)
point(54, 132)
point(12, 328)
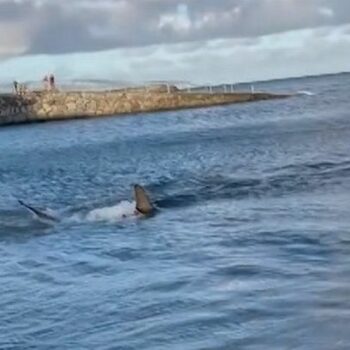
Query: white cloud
point(179, 21)
point(326, 12)
point(293, 53)
point(62, 26)
point(14, 40)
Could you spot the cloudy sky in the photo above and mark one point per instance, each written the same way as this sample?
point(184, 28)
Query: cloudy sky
point(190, 40)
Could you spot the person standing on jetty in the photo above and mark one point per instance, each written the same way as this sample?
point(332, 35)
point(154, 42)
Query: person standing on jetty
point(52, 82)
point(15, 87)
point(49, 82)
point(19, 89)
point(46, 83)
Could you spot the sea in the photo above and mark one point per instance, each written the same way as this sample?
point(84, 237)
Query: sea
point(249, 247)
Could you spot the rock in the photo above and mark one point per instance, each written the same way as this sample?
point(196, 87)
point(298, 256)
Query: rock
point(54, 105)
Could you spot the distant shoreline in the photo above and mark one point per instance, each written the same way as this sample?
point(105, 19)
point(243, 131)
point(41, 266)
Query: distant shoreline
point(42, 106)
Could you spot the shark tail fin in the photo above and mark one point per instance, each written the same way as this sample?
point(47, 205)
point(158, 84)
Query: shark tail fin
point(39, 214)
point(31, 209)
point(143, 203)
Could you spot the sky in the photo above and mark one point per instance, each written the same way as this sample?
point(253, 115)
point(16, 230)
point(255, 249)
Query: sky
point(196, 41)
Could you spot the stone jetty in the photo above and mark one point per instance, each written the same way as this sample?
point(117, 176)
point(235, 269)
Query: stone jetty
point(39, 106)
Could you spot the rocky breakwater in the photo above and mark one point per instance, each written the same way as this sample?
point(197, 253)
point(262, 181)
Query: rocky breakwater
point(46, 106)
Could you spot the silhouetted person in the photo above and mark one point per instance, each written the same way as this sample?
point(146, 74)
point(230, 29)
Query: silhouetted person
point(46, 82)
point(15, 86)
point(52, 82)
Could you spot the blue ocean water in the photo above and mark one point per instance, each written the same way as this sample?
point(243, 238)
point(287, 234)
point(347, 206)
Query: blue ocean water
point(250, 248)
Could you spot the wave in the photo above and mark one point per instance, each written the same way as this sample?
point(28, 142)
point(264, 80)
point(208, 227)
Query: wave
point(173, 193)
point(306, 93)
point(278, 182)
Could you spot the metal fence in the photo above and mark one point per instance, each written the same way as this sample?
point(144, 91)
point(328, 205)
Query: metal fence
point(104, 85)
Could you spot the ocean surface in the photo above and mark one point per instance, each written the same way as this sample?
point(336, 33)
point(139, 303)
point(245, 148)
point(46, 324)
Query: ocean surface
point(249, 248)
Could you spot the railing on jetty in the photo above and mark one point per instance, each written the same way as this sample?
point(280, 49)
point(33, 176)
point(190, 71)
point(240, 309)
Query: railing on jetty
point(105, 85)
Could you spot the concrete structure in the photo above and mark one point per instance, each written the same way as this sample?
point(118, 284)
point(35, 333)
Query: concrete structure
point(54, 105)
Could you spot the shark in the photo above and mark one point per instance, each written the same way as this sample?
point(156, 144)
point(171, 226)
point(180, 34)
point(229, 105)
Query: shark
point(143, 207)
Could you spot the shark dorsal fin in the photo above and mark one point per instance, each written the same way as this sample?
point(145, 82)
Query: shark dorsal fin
point(143, 203)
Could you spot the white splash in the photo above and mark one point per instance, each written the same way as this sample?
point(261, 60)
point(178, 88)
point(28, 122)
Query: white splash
point(306, 93)
point(51, 212)
point(112, 214)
